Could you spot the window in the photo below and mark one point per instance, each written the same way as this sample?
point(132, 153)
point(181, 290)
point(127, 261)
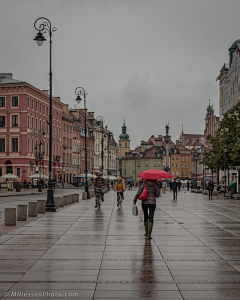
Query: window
point(57, 115)
point(47, 110)
point(54, 114)
point(28, 102)
point(159, 164)
point(32, 103)
point(133, 172)
point(125, 145)
point(14, 144)
point(18, 172)
point(177, 173)
point(182, 158)
point(40, 107)
point(64, 128)
point(155, 164)
point(173, 165)
point(146, 164)
point(2, 121)
point(186, 158)
point(173, 173)
point(28, 121)
point(173, 158)
point(177, 158)
point(2, 145)
point(70, 128)
point(125, 164)
point(36, 124)
point(177, 165)
point(43, 109)
point(0, 171)
point(175, 151)
point(2, 101)
point(32, 123)
point(124, 172)
point(186, 166)
point(138, 163)
point(186, 173)
point(14, 121)
point(182, 173)
point(36, 105)
point(28, 146)
point(182, 166)
point(164, 152)
point(138, 172)
point(67, 128)
point(133, 164)
point(15, 101)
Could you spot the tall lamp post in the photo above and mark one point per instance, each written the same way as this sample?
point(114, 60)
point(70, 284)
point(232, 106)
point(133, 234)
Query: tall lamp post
point(79, 91)
point(212, 153)
point(100, 122)
point(204, 155)
point(225, 153)
point(109, 137)
point(43, 25)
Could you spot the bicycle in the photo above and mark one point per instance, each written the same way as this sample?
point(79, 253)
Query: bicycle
point(98, 197)
point(119, 199)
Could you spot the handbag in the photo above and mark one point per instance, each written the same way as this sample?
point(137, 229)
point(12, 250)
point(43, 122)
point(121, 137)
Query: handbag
point(144, 194)
point(134, 210)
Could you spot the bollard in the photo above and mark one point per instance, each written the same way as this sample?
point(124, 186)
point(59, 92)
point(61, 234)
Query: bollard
point(10, 216)
point(76, 197)
point(32, 209)
point(41, 206)
point(65, 200)
point(84, 195)
point(56, 202)
point(69, 199)
point(21, 212)
point(61, 202)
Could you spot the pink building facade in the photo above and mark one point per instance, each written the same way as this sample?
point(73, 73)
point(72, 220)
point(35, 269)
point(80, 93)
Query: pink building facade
point(24, 132)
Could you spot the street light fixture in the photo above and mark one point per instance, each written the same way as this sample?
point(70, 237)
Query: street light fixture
point(225, 153)
point(43, 25)
point(81, 91)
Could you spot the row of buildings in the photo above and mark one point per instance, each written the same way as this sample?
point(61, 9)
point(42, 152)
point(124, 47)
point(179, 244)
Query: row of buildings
point(24, 135)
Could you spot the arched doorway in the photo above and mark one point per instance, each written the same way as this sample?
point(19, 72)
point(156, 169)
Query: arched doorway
point(9, 168)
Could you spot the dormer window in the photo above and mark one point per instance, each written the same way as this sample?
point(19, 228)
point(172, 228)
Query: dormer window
point(175, 151)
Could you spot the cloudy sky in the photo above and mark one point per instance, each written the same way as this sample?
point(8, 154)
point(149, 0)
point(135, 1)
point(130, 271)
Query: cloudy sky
point(151, 61)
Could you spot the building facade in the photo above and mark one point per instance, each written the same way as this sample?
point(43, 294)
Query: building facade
point(180, 162)
point(24, 132)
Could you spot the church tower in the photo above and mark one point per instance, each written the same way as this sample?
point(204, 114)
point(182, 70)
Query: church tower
point(124, 142)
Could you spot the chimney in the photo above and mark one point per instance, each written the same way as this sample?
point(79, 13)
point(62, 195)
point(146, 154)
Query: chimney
point(91, 113)
point(45, 91)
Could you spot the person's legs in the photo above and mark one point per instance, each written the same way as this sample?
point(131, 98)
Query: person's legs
point(176, 194)
point(145, 211)
point(209, 192)
point(152, 208)
point(173, 195)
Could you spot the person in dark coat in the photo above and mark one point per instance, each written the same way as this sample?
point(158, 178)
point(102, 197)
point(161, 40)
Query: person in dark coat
point(179, 185)
point(210, 189)
point(188, 185)
point(175, 188)
point(170, 185)
point(148, 205)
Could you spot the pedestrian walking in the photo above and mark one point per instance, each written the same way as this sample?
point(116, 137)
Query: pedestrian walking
point(188, 185)
point(160, 187)
point(170, 185)
point(174, 188)
point(164, 185)
point(210, 189)
point(9, 184)
point(148, 205)
point(179, 185)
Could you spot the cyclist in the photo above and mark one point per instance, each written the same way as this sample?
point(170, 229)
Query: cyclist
point(99, 182)
point(119, 186)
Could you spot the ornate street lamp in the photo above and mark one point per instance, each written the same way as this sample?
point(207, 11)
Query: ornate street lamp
point(109, 137)
point(43, 25)
point(225, 153)
point(100, 122)
point(79, 91)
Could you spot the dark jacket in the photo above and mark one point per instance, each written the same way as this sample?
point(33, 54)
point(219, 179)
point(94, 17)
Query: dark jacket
point(153, 192)
point(174, 185)
point(210, 185)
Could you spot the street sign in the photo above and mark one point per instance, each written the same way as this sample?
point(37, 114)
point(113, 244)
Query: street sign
point(85, 171)
point(31, 163)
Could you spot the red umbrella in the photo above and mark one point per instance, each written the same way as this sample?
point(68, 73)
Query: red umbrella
point(154, 174)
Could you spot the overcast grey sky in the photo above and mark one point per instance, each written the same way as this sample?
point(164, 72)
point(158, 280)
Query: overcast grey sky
point(150, 61)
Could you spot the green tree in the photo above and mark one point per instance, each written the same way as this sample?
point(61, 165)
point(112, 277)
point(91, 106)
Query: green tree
point(228, 134)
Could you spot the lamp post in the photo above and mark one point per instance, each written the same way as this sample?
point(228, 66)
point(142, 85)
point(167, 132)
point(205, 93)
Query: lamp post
point(81, 91)
point(204, 155)
point(212, 153)
point(109, 137)
point(166, 139)
point(100, 122)
point(225, 153)
point(196, 170)
point(42, 25)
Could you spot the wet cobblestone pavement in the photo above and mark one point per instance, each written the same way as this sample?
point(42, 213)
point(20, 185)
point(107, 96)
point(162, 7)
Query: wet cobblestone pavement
point(81, 253)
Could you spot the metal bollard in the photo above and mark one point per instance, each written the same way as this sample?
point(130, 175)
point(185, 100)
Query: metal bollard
point(10, 216)
point(41, 206)
point(32, 209)
point(21, 212)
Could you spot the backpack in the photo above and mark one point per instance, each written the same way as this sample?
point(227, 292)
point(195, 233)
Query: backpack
point(144, 194)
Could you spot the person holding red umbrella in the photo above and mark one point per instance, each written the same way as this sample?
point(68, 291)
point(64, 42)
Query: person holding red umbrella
point(148, 205)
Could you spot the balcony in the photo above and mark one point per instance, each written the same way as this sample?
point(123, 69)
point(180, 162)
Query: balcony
point(56, 159)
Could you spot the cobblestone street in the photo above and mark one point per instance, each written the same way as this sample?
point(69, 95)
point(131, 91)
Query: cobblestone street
point(81, 253)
